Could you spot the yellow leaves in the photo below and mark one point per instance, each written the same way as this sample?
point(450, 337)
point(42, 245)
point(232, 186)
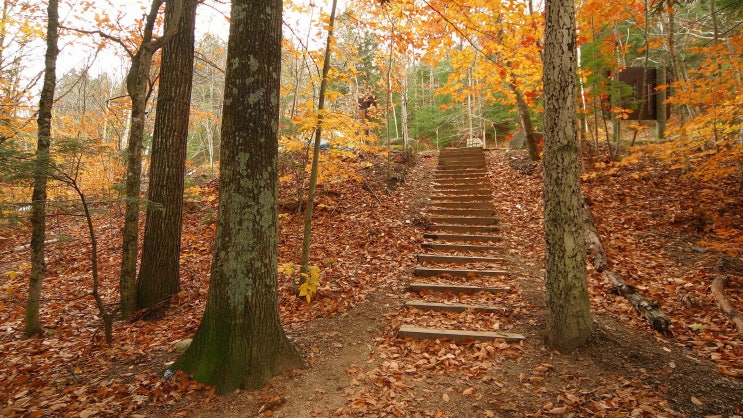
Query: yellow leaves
point(287, 269)
point(333, 95)
point(311, 281)
point(11, 288)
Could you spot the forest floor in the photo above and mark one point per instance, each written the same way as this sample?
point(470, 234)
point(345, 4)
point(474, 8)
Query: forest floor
point(666, 233)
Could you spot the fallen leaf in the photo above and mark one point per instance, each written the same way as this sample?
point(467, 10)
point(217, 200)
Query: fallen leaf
point(558, 411)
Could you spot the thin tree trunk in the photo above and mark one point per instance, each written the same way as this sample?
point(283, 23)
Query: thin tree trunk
point(404, 114)
point(568, 317)
point(307, 238)
point(675, 70)
point(595, 93)
point(240, 342)
point(137, 81)
point(615, 98)
point(470, 131)
point(660, 104)
point(645, 93)
point(526, 124)
point(41, 171)
point(159, 271)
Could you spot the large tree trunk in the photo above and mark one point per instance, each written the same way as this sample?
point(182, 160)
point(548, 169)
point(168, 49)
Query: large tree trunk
point(159, 270)
point(240, 342)
point(569, 317)
point(41, 171)
point(137, 81)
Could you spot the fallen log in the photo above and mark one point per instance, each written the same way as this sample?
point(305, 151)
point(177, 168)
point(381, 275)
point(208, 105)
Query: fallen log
point(649, 309)
point(719, 283)
point(597, 255)
point(594, 248)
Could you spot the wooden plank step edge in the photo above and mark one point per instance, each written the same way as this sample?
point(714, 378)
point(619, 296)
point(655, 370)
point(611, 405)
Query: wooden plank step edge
point(464, 228)
point(475, 213)
point(456, 335)
point(462, 237)
point(454, 307)
point(453, 287)
point(464, 220)
point(427, 272)
point(445, 258)
point(459, 247)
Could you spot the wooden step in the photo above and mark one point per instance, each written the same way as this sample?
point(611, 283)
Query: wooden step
point(480, 183)
point(476, 183)
point(462, 162)
point(421, 333)
point(463, 212)
point(438, 246)
point(463, 188)
point(469, 192)
point(460, 259)
point(460, 165)
point(427, 272)
point(454, 288)
point(460, 198)
point(452, 307)
point(465, 178)
point(459, 173)
point(461, 220)
point(463, 150)
point(461, 179)
point(462, 237)
point(475, 229)
point(462, 205)
point(460, 169)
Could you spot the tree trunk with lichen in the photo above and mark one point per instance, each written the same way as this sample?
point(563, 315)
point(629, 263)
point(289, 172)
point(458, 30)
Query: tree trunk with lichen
point(240, 342)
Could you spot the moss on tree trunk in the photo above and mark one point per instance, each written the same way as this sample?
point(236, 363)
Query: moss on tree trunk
point(240, 342)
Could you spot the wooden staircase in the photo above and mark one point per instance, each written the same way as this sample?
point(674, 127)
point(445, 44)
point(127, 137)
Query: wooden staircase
point(461, 246)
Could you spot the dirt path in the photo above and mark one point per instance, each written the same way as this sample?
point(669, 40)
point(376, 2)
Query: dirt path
point(357, 366)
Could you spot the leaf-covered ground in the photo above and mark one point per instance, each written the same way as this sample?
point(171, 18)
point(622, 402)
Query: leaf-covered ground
point(666, 233)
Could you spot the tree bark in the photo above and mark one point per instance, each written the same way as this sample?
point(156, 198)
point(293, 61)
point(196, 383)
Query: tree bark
point(526, 124)
point(159, 271)
point(568, 317)
point(41, 171)
point(137, 81)
point(240, 342)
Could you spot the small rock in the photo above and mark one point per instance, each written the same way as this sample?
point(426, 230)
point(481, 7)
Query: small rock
point(182, 345)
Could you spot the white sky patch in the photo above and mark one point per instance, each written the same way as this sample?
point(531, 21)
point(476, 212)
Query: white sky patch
point(77, 52)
